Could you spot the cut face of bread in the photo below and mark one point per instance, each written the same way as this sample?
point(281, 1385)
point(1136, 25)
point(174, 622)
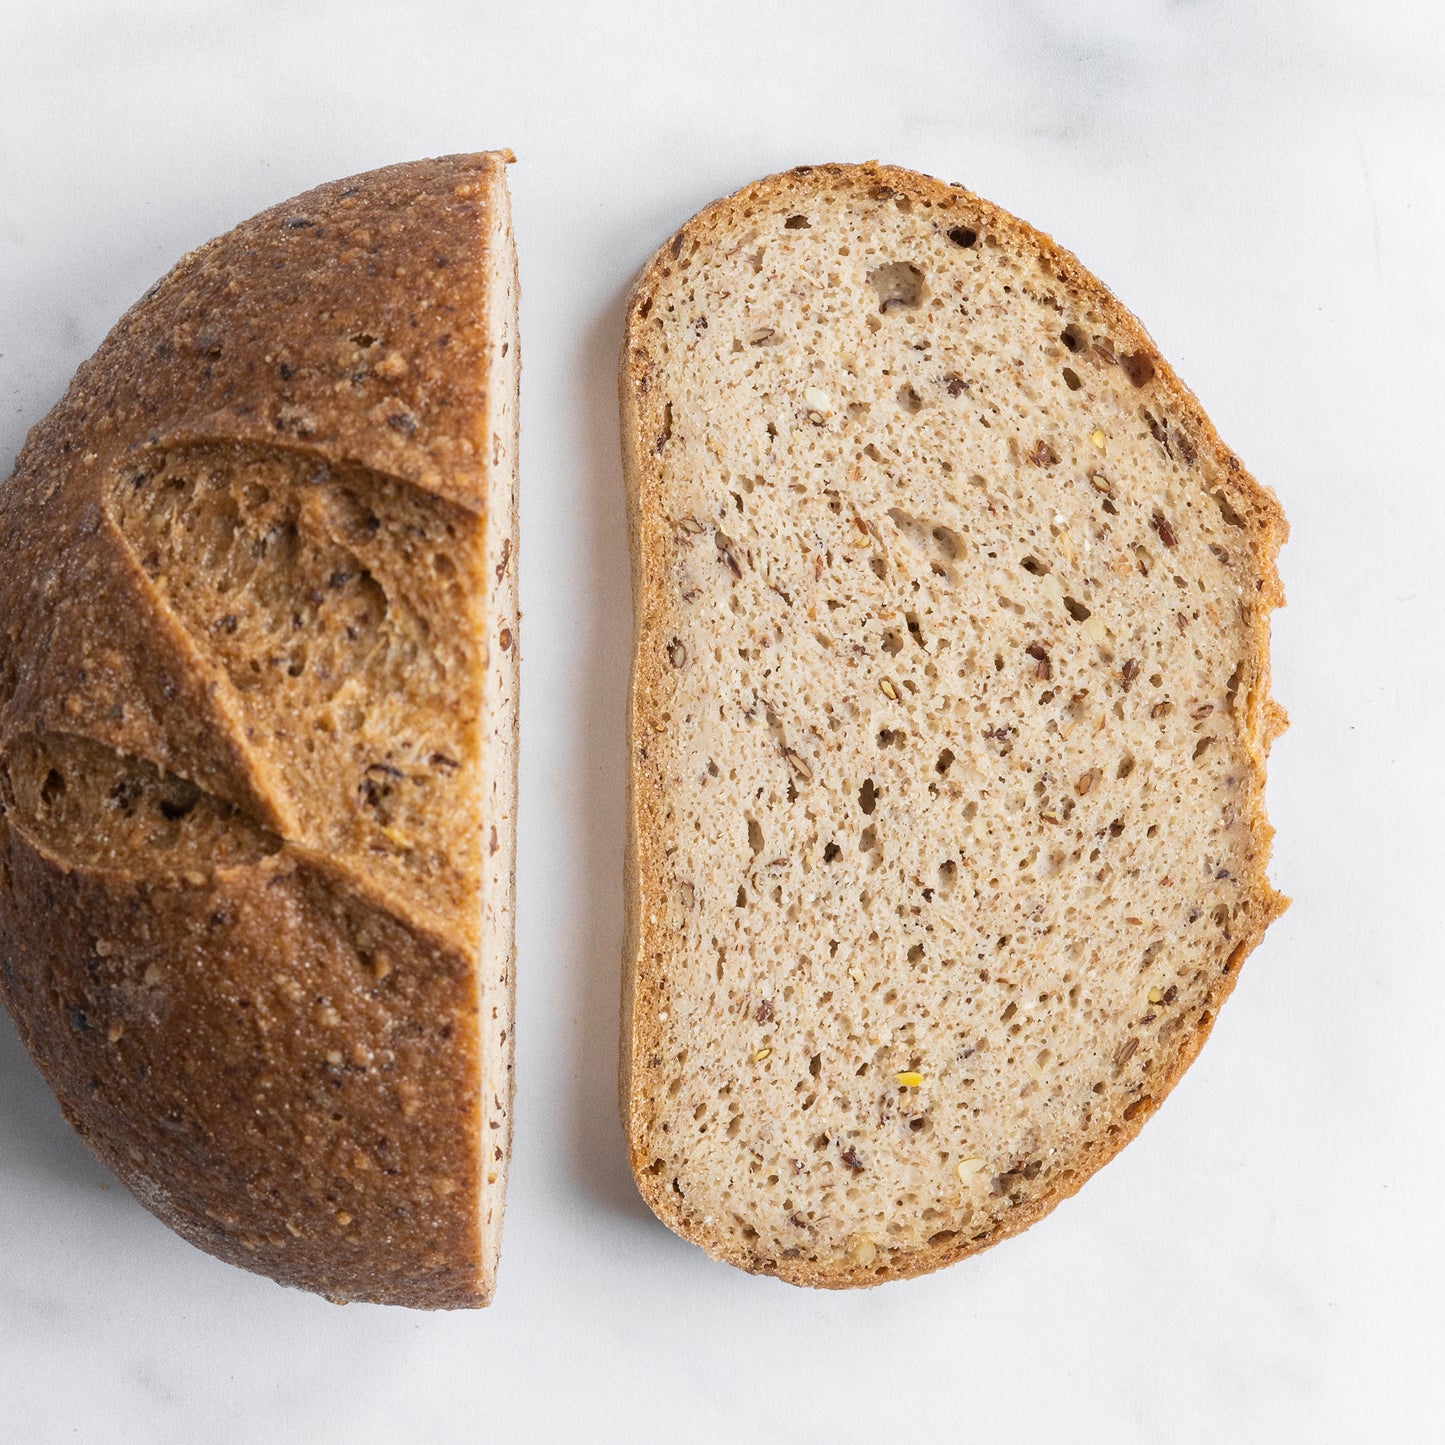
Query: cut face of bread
point(949, 717)
point(258, 686)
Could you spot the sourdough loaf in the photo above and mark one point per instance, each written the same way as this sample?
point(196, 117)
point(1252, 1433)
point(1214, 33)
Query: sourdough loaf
point(258, 671)
point(948, 725)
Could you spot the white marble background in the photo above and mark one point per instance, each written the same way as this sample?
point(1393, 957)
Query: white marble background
point(1262, 183)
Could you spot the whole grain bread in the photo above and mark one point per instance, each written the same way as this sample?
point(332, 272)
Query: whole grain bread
point(949, 715)
point(258, 685)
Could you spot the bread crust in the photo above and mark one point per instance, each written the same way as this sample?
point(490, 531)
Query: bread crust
point(645, 947)
point(279, 1057)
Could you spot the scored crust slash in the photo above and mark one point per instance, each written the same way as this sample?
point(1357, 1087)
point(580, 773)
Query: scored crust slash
point(949, 716)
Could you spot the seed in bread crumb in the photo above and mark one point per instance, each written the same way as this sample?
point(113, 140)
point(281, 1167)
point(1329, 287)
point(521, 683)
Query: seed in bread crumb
point(760, 1054)
point(116, 1031)
point(969, 1169)
point(887, 689)
point(909, 1079)
point(862, 1251)
point(1096, 439)
point(1156, 994)
point(326, 1016)
point(801, 770)
point(343, 1218)
point(819, 403)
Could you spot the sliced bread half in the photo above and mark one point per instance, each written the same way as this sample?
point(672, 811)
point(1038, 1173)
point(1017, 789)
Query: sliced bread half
point(258, 690)
point(949, 716)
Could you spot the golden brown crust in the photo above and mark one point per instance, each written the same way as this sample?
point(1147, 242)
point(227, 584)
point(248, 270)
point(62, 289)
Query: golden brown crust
point(279, 1057)
point(645, 945)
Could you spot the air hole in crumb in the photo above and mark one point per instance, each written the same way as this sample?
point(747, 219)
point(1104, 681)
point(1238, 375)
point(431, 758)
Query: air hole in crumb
point(1231, 688)
point(742, 900)
point(1034, 567)
point(1138, 368)
point(52, 788)
point(867, 796)
point(831, 852)
point(1071, 379)
point(755, 835)
point(899, 286)
point(910, 400)
point(944, 763)
point(1075, 338)
point(1076, 610)
point(1230, 516)
point(964, 236)
point(1126, 766)
point(797, 223)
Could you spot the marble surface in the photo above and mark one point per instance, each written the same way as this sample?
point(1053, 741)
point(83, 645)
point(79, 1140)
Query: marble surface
point(1262, 184)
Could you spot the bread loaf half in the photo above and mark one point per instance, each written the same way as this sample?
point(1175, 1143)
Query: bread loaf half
point(949, 716)
point(258, 686)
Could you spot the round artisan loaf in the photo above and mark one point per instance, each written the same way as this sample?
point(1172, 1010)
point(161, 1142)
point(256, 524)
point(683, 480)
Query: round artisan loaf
point(258, 738)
